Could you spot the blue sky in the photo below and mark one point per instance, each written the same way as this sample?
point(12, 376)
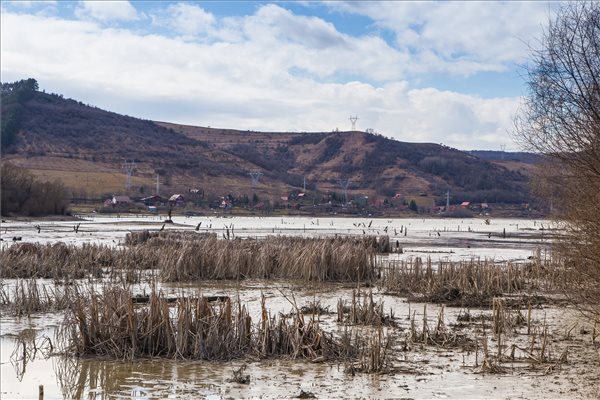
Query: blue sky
point(442, 72)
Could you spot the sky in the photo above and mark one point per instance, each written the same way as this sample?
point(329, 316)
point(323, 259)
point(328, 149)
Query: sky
point(438, 72)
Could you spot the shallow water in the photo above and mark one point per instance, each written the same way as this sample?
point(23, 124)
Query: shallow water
point(440, 239)
point(420, 372)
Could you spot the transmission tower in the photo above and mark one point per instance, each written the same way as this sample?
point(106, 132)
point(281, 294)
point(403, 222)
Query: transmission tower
point(344, 183)
point(353, 120)
point(128, 167)
point(255, 177)
point(502, 149)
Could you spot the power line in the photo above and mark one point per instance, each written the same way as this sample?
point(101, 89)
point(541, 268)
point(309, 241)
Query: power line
point(128, 167)
point(344, 183)
point(353, 120)
point(255, 176)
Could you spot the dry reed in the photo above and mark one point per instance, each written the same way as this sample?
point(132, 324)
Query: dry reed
point(180, 258)
point(334, 259)
point(464, 283)
point(111, 325)
point(367, 312)
point(27, 297)
point(440, 335)
point(54, 261)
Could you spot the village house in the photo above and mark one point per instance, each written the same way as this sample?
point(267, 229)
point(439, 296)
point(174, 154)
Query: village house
point(176, 200)
point(155, 200)
point(118, 201)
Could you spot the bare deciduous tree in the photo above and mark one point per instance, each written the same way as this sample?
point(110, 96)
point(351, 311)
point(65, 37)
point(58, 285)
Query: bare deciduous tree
point(561, 119)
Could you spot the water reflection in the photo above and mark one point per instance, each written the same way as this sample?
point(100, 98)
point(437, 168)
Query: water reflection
point(29, 346)
point(145, 379)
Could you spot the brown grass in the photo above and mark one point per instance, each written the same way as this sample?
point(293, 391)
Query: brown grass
point(468, 283)
point(180, 258)
point(336, 259)
point(54, 261)
point(27, 297)
point(367, 312)
point(111, 325)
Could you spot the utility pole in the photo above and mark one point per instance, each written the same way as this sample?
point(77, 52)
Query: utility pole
point(157, 185)
point(304, 185)
point(447, 200)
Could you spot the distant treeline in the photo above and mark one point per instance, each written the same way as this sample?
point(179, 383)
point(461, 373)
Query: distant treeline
point(13, 96)
point(22, 194)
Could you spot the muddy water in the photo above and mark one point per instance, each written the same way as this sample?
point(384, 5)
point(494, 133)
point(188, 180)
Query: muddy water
point(447, 239)
point(420, 371)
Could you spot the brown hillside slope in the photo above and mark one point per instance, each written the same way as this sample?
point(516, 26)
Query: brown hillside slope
point(375, 165)
point(86, 147)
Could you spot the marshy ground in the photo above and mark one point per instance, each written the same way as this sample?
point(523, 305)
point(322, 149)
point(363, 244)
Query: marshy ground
point(174, 315)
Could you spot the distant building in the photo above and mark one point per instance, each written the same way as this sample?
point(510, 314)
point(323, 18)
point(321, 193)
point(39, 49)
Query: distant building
point(176, 200)
point(226, 203)
point(120, 201)
point(465, 204)
point(155, 200)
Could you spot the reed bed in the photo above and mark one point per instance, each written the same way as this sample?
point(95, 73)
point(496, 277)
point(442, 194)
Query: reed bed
point(180, 258)
point(474, 281)
point(27, 297)
point(111, 325)
point(332, 259)
point(371, 351)
point(54, 261)
point(160, 237)
point(365, 312)
point(440, 335)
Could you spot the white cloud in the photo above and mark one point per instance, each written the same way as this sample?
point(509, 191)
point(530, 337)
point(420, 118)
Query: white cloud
point(454, 36)
point(29, 4)
point(249, 81)
point(186, 19)
point(107, 10)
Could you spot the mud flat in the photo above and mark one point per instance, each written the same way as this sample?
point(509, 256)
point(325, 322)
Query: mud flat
point(415, 327)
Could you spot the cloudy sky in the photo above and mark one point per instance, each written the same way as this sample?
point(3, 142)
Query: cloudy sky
point(448, 72)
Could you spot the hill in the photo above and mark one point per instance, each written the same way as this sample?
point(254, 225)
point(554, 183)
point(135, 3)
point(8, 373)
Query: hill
point(85, 147)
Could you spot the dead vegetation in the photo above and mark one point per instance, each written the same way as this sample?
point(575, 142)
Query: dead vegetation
point(440, 335)
point(365, 312)
point(28, 296)
point(111, 322)
point(471, 283)
point(54, 261)
point(332, 259)
point(111, 325)
point(191, 256)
